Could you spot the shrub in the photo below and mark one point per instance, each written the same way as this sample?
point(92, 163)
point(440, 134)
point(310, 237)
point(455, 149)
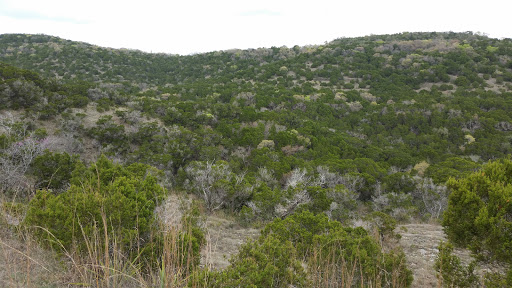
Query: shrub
point(328, 245)
point(498, 280)
point(307, 250)
point(191, 238)
point(267, 262)
point(479, 214)
point(107, 132)
point(104, 201)
point(344, 205)
point(451, 271)
point(263, 204)
point(384, 224)
point(53, 170)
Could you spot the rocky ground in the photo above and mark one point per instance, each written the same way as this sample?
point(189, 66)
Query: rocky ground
point(420, 242)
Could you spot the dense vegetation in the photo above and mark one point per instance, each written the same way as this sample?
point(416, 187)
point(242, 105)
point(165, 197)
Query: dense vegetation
point(358, 128)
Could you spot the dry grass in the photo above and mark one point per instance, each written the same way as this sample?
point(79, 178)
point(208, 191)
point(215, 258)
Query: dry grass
point(334, 271)
point(24, 263)
point(223, 239)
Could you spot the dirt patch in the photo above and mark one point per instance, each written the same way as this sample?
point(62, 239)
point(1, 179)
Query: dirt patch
point(224, 237)
point(420, 242)
point(92, 115)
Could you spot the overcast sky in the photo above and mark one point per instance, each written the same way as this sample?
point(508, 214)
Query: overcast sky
point(184, 27)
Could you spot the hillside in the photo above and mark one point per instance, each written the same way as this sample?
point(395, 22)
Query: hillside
point(364, 130)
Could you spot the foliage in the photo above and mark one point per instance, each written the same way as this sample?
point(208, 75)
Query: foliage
point(263, 204)
point(107, 132)
point(319, 238)
point(21, 88)
point(53, 170)
point(398, 205)
point(384, 224)
point(451, 272)
point(104, 198)
point(369, 107)
point(191, 238)
point(264, 133)
point(210, 181)
point(452, 167)
point(267, 262)
point(274, 259)
point(431, 199)
point(344, 204)
point(20, 147)
point(498, 280)
point(479, 209)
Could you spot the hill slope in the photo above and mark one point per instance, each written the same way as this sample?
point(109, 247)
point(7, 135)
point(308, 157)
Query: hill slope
point(357, 129)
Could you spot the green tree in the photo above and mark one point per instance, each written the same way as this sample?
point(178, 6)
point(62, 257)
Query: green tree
point(451, 271)
point(479, 211)
point(105, 197)
point(53, 170)
point(267, 262)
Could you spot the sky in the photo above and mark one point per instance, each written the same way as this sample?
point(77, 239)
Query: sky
point(196, 26)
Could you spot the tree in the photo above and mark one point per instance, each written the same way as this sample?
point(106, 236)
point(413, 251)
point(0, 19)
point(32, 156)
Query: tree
point(20, 148)
point(479, 214)
point(210, 181)
point(53, 170)
point(432, 199)
point(119, 199)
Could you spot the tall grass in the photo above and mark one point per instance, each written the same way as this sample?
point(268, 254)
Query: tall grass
point(22, 261)
point(103, 263)
point(332, 269)
point(106, 262)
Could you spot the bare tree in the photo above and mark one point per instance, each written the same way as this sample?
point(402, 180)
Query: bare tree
point(329, 179)
point(344, 199)
point(300, 197)
point(13, 128)
point(397, 205)
point(434, 198)
point(266, 176)
point(210, 181)
point(15, 162)
point(16, 158)
point(297, 176)
point(242, 153)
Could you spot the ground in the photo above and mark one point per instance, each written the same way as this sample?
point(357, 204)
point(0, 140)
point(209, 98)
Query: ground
point(224, 237)
point(419, 241)
point(24, 264)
